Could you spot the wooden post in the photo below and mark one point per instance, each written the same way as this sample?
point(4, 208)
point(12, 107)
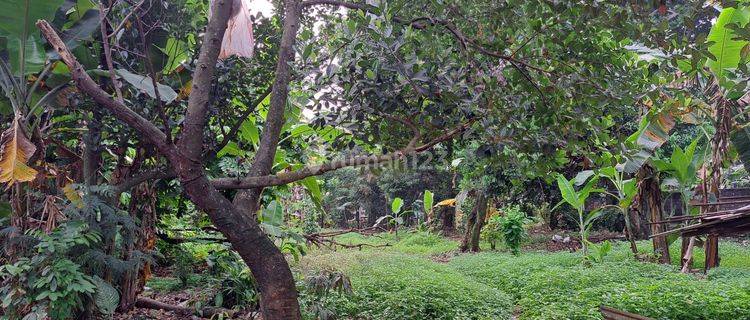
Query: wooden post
point(712, 251)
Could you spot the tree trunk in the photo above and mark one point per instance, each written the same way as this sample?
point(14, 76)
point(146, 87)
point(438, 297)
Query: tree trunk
point(474, 224)
point(648, 203)
point(629, 231)
point(712, 251)
point(448, 217)
point(719, 145)
point(470, 220)
point(270, 269)
point(479, 222)
point(142, 208)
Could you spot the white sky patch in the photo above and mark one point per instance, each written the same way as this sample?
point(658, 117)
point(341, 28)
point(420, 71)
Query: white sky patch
point(264, 7)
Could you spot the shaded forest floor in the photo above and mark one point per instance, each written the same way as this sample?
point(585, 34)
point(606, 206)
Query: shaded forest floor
point(421, 276)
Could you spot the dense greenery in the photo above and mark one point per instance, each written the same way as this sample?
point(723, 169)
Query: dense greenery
point(233, 153)
point(541, 285)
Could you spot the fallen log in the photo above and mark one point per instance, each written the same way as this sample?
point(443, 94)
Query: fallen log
point(614, 314)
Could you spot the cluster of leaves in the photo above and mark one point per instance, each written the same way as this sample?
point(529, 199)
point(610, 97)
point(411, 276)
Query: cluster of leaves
point(49, 283)
point(317, 288)
point(237, 288)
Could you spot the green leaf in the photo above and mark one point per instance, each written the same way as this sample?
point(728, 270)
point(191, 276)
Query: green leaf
point(81, 30)
point(313, 187)
point(106, 297)
point(568, 193)
point(272, 230)
point(231, 149)
point(583, 194)
point(177, 52)
point(591, 217)
point(396, 205)
point(608, 172)
point(273, 214)
point(428, 200)
point(582, 176)
point(741, 140)
point(652, 133)
point(34, 59)
point(249, 131)
point(144, 84)
point(14, 24)
point(725, 47)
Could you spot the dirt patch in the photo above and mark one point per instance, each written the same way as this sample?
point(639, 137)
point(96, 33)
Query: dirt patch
point(444, 257)
point(543, 239)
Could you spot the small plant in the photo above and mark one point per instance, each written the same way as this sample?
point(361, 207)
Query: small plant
point(236, 285)
point(395, 219)
point(491, 231)
point(626, 191)
point(598, 252)
point(508, 228)
point(310, 222)
point(577, 200)
point(682, 166)
point(322, 286)
point(512, 228)
point(427, 202)
point(183, 265)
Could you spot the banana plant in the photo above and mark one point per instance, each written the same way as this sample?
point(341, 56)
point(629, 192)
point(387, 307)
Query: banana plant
point(396, 218)
point(626, 191)
point(577, 200)
point(427, 202)
point(682, 166)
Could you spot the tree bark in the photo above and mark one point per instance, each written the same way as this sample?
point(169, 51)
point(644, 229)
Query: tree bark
point(648, 202)
point(719, 145)
point(470, 221)
point(142, 208)
point(448, 216)
point(474, 224)
point(479, 222)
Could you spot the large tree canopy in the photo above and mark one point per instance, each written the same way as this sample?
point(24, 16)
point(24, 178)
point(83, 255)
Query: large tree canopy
point(521, 88)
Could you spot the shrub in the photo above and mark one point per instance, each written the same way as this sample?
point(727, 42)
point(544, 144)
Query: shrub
point(49, 283)
point(236, 285)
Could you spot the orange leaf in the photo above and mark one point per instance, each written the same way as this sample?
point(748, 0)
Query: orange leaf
point(15, 151)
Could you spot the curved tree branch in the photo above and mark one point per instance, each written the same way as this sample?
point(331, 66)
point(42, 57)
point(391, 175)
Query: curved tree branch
point(88, 86)
point(191, 140)
point(309, 171)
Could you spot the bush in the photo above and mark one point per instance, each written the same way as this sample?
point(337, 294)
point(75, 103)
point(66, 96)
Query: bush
point(49, 283)
point(508, 227)
point(396, 286)
point(236, 285)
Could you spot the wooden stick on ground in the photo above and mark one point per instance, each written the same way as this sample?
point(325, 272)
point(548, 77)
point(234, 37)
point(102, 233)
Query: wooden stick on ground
point(147, 303)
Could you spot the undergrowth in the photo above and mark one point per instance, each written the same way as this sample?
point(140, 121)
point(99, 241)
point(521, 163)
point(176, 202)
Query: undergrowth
point(403, 282)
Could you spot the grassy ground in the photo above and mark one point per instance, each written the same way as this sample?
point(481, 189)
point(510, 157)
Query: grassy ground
point(419, 277)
